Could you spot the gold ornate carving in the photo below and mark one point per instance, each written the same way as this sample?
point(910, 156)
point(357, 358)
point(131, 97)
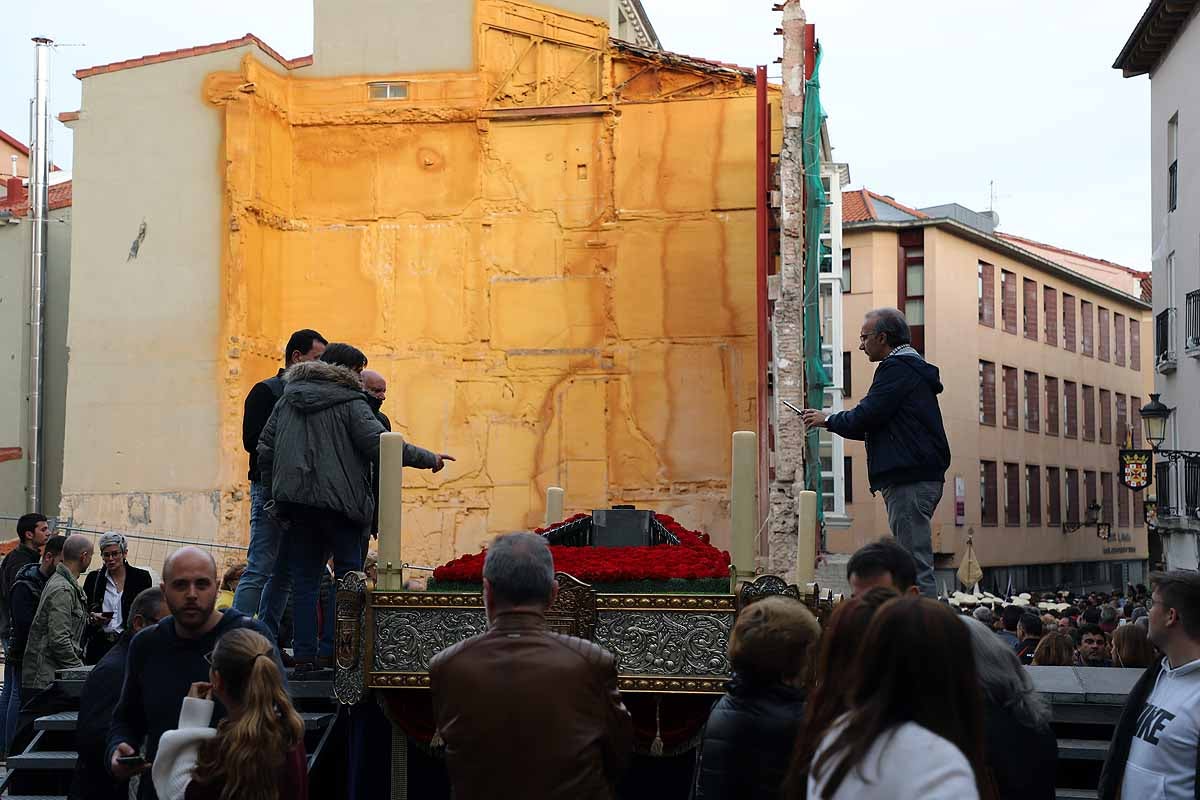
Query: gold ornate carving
point(574, 610)
point(425, 600)
point(644, 683)
point(398, 680)
point(666, 602)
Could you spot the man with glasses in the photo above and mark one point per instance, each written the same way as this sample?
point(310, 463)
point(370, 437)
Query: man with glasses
point(164, 662)
point(101, 691)
point(901, 424)
point(110, 592)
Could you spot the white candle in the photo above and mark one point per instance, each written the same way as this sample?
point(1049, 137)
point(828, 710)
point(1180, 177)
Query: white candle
point(391, 479)
point(554, 505)
point(743, 502)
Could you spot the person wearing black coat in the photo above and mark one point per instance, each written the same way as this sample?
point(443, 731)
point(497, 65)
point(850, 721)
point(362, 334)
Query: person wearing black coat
point(751, 731)
point(104, 631)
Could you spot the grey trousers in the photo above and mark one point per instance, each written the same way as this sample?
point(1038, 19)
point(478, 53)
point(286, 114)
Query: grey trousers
point(910, 508)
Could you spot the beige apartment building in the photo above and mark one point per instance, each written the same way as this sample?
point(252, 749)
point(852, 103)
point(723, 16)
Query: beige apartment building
point(1045, 355)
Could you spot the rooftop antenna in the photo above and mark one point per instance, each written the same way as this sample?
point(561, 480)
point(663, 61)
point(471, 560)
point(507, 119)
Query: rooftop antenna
point(991, 195)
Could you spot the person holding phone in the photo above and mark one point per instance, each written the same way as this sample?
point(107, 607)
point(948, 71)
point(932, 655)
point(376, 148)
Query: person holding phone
point(110, 592)
point(256, 752)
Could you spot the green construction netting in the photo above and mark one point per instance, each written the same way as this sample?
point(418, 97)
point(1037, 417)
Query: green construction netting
point(815, 377)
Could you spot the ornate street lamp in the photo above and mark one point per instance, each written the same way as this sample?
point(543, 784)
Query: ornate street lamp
point(1154, 417)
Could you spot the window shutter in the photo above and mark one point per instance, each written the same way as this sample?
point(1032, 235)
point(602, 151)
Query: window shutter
point(1050, 314)
point(1089, 343)
point(987, 480)
point(1071, 396)
point(1012, 496)
point(1011, 407)
point(1105, 336)
point(1029, 288)
point(1089, 488)
point(1089, 413)
point(1106, 416)
point(1033, 491)
point(1122, 420)
point(987, 393)
point(987, 294)
point(1053, 496)
point(1135, 420)
point(1008, 299)
point(1122, 507)
point(1106, 493)
point(1069, 332)
point(1051, 406)
point(1033, 403)
point(1135, 344)
point(1119, 339)
point(1073, 496)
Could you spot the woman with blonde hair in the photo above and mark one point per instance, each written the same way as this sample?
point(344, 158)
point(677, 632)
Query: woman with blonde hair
point(256, 752)
point(1131, 647)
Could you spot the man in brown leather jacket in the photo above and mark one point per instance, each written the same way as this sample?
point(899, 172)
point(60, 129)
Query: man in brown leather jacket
point(526, 713)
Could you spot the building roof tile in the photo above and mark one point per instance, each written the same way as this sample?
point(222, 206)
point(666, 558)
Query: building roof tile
point(858, 205)
point(188, 52)
point(60, 197)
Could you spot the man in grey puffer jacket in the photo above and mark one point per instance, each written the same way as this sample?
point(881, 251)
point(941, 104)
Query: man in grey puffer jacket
point(315, 457)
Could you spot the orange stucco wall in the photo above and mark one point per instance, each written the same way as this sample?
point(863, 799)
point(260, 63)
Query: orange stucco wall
point(555, 300)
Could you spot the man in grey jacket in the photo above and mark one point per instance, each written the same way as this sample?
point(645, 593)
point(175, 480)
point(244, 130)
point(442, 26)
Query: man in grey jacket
point(57, 631)
point(315, 457)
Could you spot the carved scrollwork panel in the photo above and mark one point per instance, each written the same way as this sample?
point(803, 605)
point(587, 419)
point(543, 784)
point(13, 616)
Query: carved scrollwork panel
point(407, 639)
point(574, 610)
point(349, 630)
point(767, 586)
point(666, 643)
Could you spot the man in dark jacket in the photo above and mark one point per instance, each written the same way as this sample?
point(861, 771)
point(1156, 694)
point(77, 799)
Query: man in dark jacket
point(32, 532)
point(23, 603)
point(304, 345)
point(548, 694)
point(1029, 633)
point(101, 691)
point(1154, 750)
point(901, 424)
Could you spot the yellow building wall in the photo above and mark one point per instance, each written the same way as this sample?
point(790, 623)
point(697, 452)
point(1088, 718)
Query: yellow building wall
point(550, 259)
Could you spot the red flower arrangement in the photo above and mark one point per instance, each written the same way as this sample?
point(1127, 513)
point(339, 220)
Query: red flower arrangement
point(692, 559)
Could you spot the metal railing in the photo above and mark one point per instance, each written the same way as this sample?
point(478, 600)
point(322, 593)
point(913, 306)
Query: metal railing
point(1192, 320)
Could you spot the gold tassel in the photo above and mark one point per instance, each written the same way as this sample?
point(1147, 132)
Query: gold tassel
point(437, 740)
point(656, 747)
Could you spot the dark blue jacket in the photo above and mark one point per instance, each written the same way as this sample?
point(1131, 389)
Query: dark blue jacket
point(900, 422)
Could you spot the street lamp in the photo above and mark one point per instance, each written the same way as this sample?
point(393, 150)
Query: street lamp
point(1154, 416)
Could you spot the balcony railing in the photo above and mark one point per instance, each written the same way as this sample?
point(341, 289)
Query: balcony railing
point(1164, 340)
point(1192, 321)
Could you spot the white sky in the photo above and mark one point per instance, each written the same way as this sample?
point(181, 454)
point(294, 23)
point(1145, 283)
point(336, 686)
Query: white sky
point(928, 101)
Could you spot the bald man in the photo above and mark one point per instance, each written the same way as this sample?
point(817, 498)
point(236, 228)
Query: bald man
point(57, 630)
point(166, 659)
point(375, 385)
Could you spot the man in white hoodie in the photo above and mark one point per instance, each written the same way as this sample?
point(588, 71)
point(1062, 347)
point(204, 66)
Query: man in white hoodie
point(1155, 752)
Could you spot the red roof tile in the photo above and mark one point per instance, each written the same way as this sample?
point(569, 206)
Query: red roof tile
point(859, 206)
point(188, 52)
point(1023, 240)
point(60, 197)
point(68, 116)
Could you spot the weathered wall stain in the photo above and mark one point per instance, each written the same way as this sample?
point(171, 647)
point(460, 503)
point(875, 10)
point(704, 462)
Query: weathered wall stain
point(554, 299)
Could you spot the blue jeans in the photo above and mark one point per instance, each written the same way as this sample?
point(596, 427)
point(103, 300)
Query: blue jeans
point(315, 533)
point(261, 556)
point(910, 508)
point(10, 700)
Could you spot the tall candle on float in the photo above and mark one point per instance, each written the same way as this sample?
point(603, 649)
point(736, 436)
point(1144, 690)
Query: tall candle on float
point(554, 505)
point(391, 482)
point(806, 544)
point(743, 502)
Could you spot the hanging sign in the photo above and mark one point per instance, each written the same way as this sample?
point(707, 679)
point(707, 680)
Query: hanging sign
point(1135, 468)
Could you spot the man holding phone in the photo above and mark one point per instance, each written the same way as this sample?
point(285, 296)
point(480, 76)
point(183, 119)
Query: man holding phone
point(901, 424)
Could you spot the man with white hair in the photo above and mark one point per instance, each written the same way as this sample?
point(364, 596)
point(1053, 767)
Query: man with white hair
point(110, 592)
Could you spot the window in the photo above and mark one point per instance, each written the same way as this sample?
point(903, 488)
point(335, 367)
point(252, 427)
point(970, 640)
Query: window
point(1106, 416)
point(987, 493)
point(1191, 488)
point(1089, 413)
point(1073, 496)
point(1102, 349)
point(1033, 403)
point(1008, 300)
point(846, 260)
point(1011, 400)
point(1162, 486)
point(1089, 489)
point(1050, 314)
point(1135, 344)
point(1052, 404)
point(1106, 497)
point(912, 284)
point(1012, 495)
point(1122, 421)
point(848, 479)
point(1071, 409)
point(1122, 506)
point(1069, 333)
point(987, 294)
point(1135, 421)
point(1191, 330)
point(388, 90)
point(1030, 297)
point(1119, 339)
point(1173, 163)
point(1089, 339)
point(987, 393)
point(1053, 496)
point(1033, 495)
point(847, 365)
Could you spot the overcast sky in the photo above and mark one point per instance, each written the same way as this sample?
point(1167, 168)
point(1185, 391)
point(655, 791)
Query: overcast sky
point(928, 101)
